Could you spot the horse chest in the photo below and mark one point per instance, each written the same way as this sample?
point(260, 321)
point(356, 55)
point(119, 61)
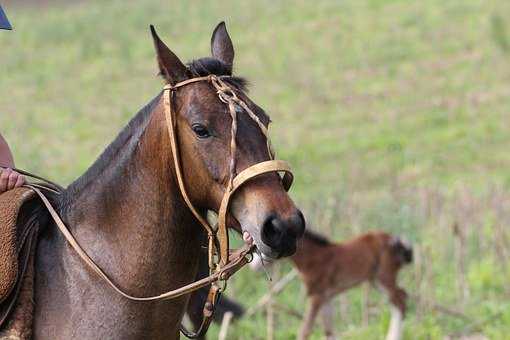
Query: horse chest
point(72, 303)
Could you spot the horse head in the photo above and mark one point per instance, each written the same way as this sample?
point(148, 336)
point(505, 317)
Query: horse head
point(218, 139)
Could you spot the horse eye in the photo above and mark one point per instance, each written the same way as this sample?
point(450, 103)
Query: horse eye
point(200, 130)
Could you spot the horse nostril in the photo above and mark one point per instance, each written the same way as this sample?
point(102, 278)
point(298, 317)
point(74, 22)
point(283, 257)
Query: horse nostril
point(281, 234)
point(272, 232)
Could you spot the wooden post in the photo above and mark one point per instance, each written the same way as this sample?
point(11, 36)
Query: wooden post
point(270, 317)
point(460, 259)
point(269, 307)
point(276, 288)
point(365, 305)
point(344, 309)
point(225, 323)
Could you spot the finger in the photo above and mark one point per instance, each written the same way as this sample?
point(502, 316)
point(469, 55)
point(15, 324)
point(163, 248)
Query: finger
point(4, 179)
point(247, 238)
point(20, 181)
point(13, 178)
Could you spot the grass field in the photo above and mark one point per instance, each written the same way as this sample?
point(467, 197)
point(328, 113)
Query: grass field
point(394, 114)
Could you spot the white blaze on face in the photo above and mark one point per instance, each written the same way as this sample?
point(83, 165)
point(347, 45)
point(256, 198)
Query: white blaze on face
point(395, 329)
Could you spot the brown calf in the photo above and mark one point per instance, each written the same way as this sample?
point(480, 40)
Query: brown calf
point(328, 269)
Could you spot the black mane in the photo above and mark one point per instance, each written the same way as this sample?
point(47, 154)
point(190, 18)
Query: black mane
point(206, 66)
point(316, 238)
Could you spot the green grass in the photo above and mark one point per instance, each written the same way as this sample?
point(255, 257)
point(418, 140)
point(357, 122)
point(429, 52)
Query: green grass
point(394, 114)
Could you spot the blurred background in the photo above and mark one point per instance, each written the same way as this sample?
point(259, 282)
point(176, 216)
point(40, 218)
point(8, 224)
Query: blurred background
point(395, 115)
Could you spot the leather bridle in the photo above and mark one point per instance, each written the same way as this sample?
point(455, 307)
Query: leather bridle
point(222, 264)
point(229, 97)
point(218, 242)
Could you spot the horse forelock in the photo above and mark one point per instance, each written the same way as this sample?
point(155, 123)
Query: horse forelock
point(211, 66)
point(206, 66)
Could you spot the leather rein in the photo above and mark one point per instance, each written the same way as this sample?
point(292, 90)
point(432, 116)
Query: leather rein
point(222, 263)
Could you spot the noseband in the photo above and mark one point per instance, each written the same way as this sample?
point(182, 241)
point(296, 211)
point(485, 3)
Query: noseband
point(222, 265)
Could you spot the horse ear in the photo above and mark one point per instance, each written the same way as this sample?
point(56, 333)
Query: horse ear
point(170, 67)
point(221, 45)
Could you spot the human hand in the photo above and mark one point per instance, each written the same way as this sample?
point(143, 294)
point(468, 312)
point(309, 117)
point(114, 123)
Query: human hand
point(10, 179)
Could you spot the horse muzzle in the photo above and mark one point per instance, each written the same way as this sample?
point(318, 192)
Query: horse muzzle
point(281, 234)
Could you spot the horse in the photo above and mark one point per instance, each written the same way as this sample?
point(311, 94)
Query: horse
point(328, 269)
point(129, 215)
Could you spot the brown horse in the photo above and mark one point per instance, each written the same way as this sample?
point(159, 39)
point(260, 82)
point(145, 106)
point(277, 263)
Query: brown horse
point(128, 214)
point(328, 269)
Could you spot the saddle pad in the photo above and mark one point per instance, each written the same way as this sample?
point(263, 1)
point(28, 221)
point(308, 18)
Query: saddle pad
point(17, 312)
point(10, 204)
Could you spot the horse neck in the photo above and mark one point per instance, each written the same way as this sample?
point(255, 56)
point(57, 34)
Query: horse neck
point(133, 208)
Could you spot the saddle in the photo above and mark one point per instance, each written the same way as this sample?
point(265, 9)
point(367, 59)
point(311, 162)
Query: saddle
point(20, 222)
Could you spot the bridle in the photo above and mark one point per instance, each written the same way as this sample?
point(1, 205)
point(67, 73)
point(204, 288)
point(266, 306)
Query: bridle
point(222, 264)
point(227, 95)
point(218, 242)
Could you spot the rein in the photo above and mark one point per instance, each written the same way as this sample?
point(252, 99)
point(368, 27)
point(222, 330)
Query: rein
point(222, 264)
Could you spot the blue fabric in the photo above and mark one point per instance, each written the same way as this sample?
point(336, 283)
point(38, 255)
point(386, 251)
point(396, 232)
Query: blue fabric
point(4, 22)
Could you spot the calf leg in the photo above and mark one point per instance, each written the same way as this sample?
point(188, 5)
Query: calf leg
point(395, 329)
point(397, 297)
point(313, 307)
point(327, 312)
point(387, 282)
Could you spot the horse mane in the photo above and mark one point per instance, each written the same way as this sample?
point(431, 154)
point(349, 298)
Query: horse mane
point(203, 67)
point(317, 238)
point(129, 135)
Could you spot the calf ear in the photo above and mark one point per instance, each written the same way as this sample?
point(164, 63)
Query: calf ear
point(221, 45)
point(170, 67)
